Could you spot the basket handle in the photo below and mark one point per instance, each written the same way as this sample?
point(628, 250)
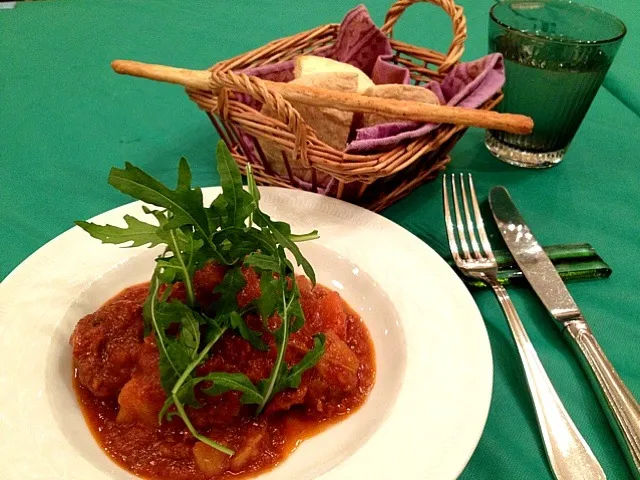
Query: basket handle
point(224, 81)
point(457, 17)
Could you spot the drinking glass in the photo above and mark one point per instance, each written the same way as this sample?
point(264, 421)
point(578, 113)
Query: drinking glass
point(556, 55)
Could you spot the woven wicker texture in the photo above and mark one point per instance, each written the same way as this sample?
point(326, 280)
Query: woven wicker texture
point(374, 180)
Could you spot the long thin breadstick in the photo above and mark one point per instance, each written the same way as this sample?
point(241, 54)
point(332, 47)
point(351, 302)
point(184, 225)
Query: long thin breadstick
point(353, 102)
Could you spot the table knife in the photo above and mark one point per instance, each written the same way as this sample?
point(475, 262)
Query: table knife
point(620, 406)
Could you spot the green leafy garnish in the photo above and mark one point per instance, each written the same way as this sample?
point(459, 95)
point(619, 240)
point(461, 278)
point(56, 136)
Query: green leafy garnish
point(239, 203)
point(294, 376)
point(231, 231)
point(137, 232)
point(228, 289)
point(251, 336)
point(282, 234)
point(185, 203)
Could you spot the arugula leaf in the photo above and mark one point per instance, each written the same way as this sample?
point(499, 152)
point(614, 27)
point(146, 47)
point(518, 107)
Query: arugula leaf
point(270, 295)
point(281, 234)
point(239, 203)
point(269, 267)
point(185, 395)
point(168, 367)
point(176, 353)
point(194, 432)
point(296, 312)
point(230, 181)
point(285, 229)
point(184, 248)
point(183, 388)
point(175, 268)
point(267, 387)
point(137, 232)
point(224, 382)
point(167, 270)
point(228, 289)
point(260, 261)
point(173, 359)
point(217, 213)
point(291, 377)
point(186, 257)
point(149, 304)
point(253, 190)
point(310, 359)
point(215, 328)
point(184, 203)
point(190, 322)
point(235, 242)
point(251, 184)
point(161, 215)
point(251, 336)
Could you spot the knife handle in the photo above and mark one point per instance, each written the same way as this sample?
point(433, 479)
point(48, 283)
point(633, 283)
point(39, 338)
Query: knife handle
point(568, 453)
point(620, 406)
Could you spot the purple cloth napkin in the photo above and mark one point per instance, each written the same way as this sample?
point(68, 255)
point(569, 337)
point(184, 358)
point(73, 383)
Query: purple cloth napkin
point(467, 85)
point(362, 44)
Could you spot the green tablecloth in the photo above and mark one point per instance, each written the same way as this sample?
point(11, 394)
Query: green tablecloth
point(65, 118)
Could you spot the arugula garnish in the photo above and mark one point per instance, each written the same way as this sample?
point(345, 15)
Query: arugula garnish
point(238, 202)
point(137, 232)
point(232, 231)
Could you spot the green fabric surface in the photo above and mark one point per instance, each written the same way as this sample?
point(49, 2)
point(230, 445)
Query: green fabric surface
point(65, 119)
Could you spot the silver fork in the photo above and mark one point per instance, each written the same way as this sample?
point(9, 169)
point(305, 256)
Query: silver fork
point(569, 455)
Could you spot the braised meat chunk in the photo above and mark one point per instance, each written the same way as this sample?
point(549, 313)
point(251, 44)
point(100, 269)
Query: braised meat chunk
point(105, 343)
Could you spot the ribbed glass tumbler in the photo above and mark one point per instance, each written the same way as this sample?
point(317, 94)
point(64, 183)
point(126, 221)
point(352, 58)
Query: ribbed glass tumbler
point(556, 56)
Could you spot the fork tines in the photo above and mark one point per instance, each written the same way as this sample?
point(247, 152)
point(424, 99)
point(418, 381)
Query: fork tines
point(466, 230)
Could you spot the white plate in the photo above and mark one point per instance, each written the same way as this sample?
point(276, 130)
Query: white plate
point(422, 420)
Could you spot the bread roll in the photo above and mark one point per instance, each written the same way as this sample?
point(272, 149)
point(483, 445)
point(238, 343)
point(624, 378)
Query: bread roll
point(311, 65)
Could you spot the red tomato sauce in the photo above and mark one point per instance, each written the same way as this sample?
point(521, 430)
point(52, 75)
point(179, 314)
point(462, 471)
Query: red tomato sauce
point(117, 381)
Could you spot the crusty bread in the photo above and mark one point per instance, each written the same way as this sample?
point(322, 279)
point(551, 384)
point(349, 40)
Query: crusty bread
point(310, 65)
point(396, 92)
point(330, 125)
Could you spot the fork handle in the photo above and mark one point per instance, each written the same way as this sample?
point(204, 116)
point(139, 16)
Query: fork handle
point(618, 403)
point(569, 455)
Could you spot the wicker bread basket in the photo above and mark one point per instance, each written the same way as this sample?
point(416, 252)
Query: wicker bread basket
point(234, 102)
point(380, 178)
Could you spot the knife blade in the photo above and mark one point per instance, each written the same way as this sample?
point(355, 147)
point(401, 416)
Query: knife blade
point(623, 411)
